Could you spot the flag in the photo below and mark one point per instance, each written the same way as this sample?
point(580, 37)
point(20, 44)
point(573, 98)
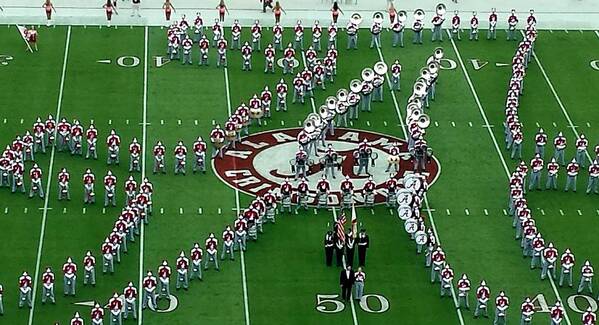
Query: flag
point(340, 227)
point(354, 221)
point(23, 32)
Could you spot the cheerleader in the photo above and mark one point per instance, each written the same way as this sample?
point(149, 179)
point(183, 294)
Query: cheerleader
point(335, 10)
point(168, 8)
point(277, 11)
point(392, 13)
point(222, 8)
point(48, 7)
point(110, 8)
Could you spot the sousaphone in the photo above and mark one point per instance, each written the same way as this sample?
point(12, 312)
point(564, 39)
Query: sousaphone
point(378, 17)
point(418, 14)
point(355, 86)
point(402, 16)
point(380, 68)
point(440, 9)
point(367, 74)
point(355, 19)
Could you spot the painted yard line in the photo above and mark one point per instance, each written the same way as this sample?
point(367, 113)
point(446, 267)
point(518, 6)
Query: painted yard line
point(49, 180)
point(559, 101)
point(144, 137)
point(499, 153)
point(430, 215)
point(597, 33)
point(311, 98)
point(246, 307)
point(351, 297)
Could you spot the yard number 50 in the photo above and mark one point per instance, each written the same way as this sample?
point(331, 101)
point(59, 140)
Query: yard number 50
point(329, 304)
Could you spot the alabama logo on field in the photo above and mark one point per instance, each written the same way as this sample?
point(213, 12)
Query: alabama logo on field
point(262, 161)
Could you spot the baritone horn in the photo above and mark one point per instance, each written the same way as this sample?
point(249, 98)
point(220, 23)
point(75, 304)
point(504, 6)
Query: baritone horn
point(355, 86)
point(402, 16)
point(367, 74)
point(355, 18)
point(378, 17)
point(440, 9)
point(380, 68)
point(418, 14)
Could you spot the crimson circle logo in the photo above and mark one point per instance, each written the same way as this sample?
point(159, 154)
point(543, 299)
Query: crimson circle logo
point(262, 161)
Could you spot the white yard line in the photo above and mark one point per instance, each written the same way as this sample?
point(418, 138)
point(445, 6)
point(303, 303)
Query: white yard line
point(311, 98)
point(351, 297)
point(246, 307)
point(559, 101)
point(428, 209)
point(49, 180)
point(144, 138)
point(507, 171)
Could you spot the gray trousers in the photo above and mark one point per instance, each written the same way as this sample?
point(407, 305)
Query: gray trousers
point(417, 37)
point(211, 258)
point(565, 275)
point(437, 33)
point(397, 39)
point(148, 297)
point(463, 301)
point(535, 180)
point(130, 308)
point(89, 277)
point(559, 156)
point(359, 290)
point(352, 42)
point(24, 299)
point(182, 280)
point(375, 41)
point(584, 284)
point(70, 285)
point(196, 271)
point(551, 182)
point(592, 185)
point(48, 293)
point(570, 183)
point(164, 289)
point(116, 319)
point(581, 158)
point(480, 309)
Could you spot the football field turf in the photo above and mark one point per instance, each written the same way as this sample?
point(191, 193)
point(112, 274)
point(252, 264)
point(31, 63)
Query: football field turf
point(112, 77)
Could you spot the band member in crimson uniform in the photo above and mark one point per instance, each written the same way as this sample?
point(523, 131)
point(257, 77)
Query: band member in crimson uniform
point(346, 281)
point(149, 292)
point(97, 315)
point(168, 9)
point(31, 37)
point(159, 164)
point(77, 320)
point(69, 269)
point(110, 8)
point(115, 305)
point(91, 136)
point(164, 275)
point(130, 293)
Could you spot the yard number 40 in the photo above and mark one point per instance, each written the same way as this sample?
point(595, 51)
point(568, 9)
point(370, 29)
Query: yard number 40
point(329, 304)
point(541, 305)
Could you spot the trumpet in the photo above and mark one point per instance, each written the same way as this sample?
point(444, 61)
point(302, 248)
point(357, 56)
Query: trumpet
point(440, 9)
point(418, 14)
point(402, 16)
point(378, 17)
point(355, 19)
point(367, 74)
point(380, 68)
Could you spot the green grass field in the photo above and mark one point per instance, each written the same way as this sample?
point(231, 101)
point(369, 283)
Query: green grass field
point(280, 277)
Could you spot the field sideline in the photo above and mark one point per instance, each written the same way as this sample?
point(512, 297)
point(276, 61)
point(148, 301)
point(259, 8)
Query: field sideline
point(111, 76)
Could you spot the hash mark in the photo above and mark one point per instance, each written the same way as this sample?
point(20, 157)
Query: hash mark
point(64, 210)
point(195, 122)
point(180, 210)
point(299, 123)
point(504, 212)
point(179, 122)
point(109, 122)
point(127, 122)
point(351, 123)
point(372, 211)
point(448, 212)
point(161, 122)
point(25, 210)
point(385, 123)
point(315, 211)
point(486, 212)
point(579, 212)
point(213, 123)
point(436, 123)
point(161, 210)
point(220, 211)
point(554, 124)
point(588, 125)
point(467, 212)
point(6, 210)
point(542, 212)
point(282, 123)
point(368, 123)
point(200, 211)
point(453, 124)
point(561, 212)
point(84, 209)
point(4, 121)
point(22, 121)
point(103, 210)
point(470, 124)
point(537, 123)
point(565, 30)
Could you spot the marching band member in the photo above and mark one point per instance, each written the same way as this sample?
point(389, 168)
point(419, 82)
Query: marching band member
point(548, 259)
point(538, 246)
point(298, 89)
point(589, 317)
point(556, 313)
point(512, 21)
point(246, 54)
point(368, 192)
point(36, 182)
point(164, 276)
point(196, 262)
point(236, 35)
point(212, 250)
point(281, 95)
point(63, 185)
point(446, 280)
point(438, 261)
point(552, 170)
point(96, 315)
point(298, 43)
point(492, 32)
point(168, 8)
point(277, 35)
point(17, 170)
point(113, 141)
point(482, 298)
point(39, 138)
point(593, 177)
point(48, 286)
point(173, 45)
point(228, 236)
point(130, 294)
point(89, 269)
point(50, 125)
point(581, 150)
point(437, 22)
point(277, 9)
point(89, 179)
point(364, 155)
point(28, 147)
point(222, 53)
point(149, 292)
point(69, 269)
point(269, 57)
point(347, 190)
point(352, 35)
point(527, 311)
point(77, 320)
point(182, 265)
point(91, 137)
point(536, 165)
point(204, 45)
point(64, 131)
point(366, 93)
point(316, 35)
point(187, 45)
point(180, 158)
point(567, 261)
point(288, 59)
point(286, 190)
point(393, 158)
point(323, 187)
point(159, 163)
point(240, 226)
point(398, 28)
point(183, 27)
point(134, 155)
point(25, 290)
point(531, 21)
point(256, 36)
point(217, 137)
point(463, 290)
point(586, 278)
point(540, 141)
point(301, 162)
point(5, 170)
point(502, 303)
point(108, 254)
point(332, 31)
point(256, 111)
point(455, 26)
point(330, 161)
point(75, 138)
point(199, 150)
point(115, 305)
point(417, 28)
point(375, 31)
point(302, 195)
point(474, 27)
point(198, 27)
point(109, 189)
point(270, 201)
point(572, 170)
point(130, 188)
point(17, 147)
